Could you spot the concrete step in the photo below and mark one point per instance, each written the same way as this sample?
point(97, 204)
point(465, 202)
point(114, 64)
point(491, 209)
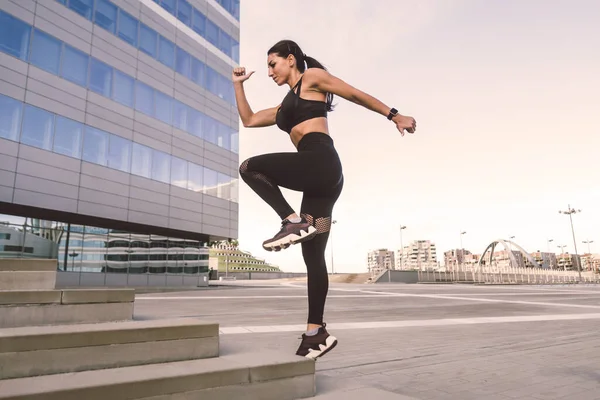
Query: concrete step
point(64, 306)
point(34, 351)
point(248, 376)
point(27, 273)
point(362, 394)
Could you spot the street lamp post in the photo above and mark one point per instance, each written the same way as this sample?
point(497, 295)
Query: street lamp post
point(588, 242)
point(550, 259)
point(402, 227)
point(333, 222)
point(570, 212)
point(462, 255)
point(562, 251)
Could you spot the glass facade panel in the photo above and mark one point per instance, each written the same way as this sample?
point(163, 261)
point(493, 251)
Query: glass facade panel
point(166, 52)
point(183, 63)
point(45, 52)
point(123, 89)
point(141, 160)
point(100, 78)
point(148, 41)
point(68, 135)
point(162, 109)
point(184, 12)
point(10, 118)
point(128, 28)
point(95, 146)
point(38, 128)
point(105, 15)
point(161, 167)
point(211, 181)
point(75, 66)
point(144, 98)
point(14, 36)
point(179, 172)
point(82, 7)
point(195, 177)
point(119, 153)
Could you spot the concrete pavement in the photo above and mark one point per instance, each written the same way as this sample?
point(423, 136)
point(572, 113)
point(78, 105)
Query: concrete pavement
point(423, 341)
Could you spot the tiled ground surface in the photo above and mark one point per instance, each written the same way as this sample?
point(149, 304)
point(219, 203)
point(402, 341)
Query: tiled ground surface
point(424, 341)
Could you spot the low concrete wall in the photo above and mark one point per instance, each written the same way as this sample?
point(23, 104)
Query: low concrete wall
point(398, 277)
point(96, 279)
point(261, 275)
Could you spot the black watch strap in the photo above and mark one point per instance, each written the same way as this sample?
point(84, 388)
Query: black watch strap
point(393, 112)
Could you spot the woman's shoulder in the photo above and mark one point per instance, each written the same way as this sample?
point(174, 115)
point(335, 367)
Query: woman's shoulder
point(313, 76)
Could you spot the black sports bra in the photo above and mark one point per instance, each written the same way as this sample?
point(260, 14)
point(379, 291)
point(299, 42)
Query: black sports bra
point(294, 109)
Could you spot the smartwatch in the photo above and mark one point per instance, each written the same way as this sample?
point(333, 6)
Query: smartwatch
point(392, 114)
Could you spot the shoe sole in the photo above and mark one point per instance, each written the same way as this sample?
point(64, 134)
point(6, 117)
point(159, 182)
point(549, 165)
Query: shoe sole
point(291, 239)
point(330, 343)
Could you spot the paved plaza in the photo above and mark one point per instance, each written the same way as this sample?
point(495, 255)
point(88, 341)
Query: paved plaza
point(422, 341)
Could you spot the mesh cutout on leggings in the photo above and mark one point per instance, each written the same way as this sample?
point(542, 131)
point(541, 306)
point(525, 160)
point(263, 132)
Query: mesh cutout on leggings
point(254, 175)
point(323, 224)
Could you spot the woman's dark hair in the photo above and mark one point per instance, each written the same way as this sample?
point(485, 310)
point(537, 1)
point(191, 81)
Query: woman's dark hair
point(284, 48)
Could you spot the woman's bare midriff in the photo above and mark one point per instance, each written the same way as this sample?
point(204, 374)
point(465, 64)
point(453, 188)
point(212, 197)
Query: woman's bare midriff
point(311, 125)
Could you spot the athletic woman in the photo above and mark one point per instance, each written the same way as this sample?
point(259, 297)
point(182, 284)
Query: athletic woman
point(315, 169)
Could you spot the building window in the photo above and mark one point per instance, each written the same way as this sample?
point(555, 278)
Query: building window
point(168, 5)
point(180, 115)
point(10, 118)
point(161, 166)
point(75, 66)
point(123, 89)
point(144, 98)
point(195, 122)
point(148, 40)
point(166, 52)
point(95, 146)
point(212, 80)
point(195, 177)
point(68, 137)
point(211, 181)
point(128, 28)
point(14, 36)
point(45, 52)
point(105, 15)
point(225, 43)
point(38, 128)
point(100, 78)
point(183, 63)
point(119, 153)
point(198, 74)
point(210, 130)
point(179, 172)
point(163, 107)
point(82, 7)
point(4, 236)
point(199, 23)
point(141, 160)
point(184, 12)
point(212, 33)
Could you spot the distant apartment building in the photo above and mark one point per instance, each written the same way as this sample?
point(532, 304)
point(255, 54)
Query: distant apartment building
point(544, 259)
point(418, 255)
point(457, 257)
point(568, 262)
point(380, 260)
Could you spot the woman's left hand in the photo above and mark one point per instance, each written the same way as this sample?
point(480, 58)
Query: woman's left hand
point(405, 123)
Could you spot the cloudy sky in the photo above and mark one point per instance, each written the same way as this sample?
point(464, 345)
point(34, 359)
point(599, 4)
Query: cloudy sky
point(506, 94)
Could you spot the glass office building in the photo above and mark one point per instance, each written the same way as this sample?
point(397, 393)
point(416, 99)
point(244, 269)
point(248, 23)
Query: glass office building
point(120, 115)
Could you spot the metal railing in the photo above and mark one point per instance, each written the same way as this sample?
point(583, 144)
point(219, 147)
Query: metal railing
point(494, 275)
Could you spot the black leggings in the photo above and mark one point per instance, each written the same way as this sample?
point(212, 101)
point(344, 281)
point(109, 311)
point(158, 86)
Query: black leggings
point(316, 171)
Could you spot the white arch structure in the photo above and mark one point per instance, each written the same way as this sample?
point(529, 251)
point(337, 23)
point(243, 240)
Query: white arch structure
point(505, 244)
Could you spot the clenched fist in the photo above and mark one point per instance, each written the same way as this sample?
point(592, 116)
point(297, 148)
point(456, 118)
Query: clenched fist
point(240, 75)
